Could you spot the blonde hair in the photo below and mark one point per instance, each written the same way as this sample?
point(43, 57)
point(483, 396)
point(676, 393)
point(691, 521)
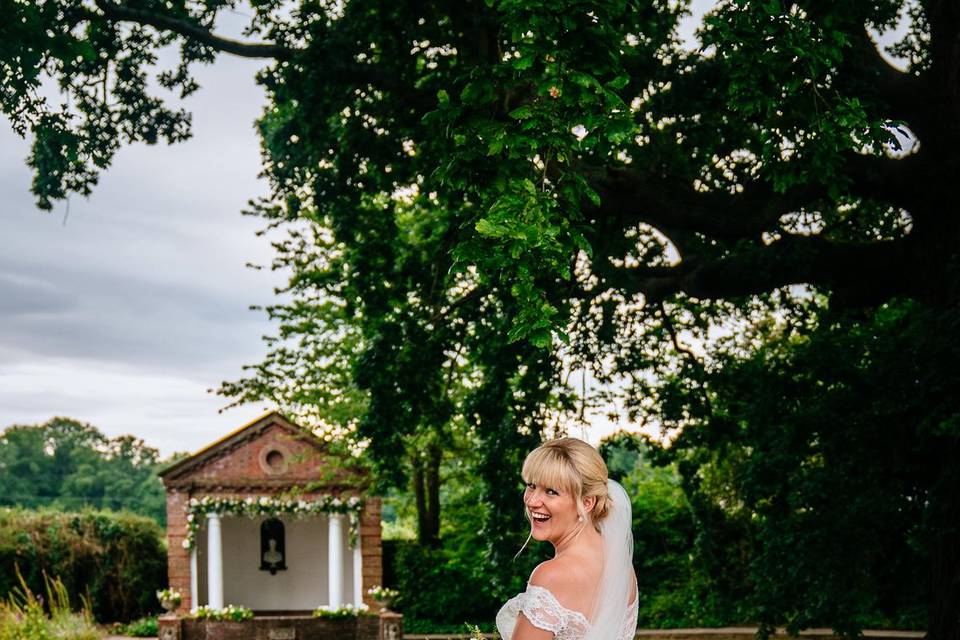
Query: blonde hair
point(572, 466)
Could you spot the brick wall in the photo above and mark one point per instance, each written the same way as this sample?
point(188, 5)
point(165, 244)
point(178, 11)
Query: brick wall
point(304, 462)
point(370, 548)
point(178, 558)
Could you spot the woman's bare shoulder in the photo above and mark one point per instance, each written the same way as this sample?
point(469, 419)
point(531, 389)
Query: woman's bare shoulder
point(565, 579)
point(551, 574)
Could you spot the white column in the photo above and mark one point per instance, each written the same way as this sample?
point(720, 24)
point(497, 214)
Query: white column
point(214, 562)
point(194, 590)
point(357, 574)
point(335, 559)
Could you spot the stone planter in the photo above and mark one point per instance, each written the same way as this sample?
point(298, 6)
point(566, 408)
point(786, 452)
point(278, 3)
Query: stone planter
point(385, 604)
point(169, 605)
point(304, 627)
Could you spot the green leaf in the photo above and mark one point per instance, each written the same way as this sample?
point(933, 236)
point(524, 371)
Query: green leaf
point(541, 338)
point(487, 227)
point(522, 112)
point(522, 63)
point(581, 242)
point(477, 92)
point(585, 80)
point(619, 82)
point(592, 195)
point(614, 101)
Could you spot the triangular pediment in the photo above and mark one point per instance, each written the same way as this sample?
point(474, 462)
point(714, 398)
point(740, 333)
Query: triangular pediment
point(270, 451)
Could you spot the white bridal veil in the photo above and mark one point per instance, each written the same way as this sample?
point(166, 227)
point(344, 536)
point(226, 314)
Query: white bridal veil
point(613, 596)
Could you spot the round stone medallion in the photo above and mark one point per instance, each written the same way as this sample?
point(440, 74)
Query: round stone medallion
point(274, 459)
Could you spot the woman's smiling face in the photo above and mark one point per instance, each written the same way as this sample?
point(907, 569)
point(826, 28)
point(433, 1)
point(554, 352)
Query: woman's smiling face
point(552, 511)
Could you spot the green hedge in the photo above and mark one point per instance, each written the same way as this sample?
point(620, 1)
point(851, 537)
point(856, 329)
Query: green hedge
point(440, 589)
point(116, 560)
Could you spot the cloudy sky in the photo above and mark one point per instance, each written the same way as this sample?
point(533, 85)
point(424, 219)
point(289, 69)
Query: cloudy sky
point(123, 310)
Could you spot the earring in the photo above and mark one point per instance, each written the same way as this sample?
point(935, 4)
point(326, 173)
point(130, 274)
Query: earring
point(580, 518)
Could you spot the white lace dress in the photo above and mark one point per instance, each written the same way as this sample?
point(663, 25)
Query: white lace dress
point(542, 609)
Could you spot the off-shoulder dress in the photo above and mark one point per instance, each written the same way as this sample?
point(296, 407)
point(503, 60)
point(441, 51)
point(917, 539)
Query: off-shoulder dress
point(544, 611)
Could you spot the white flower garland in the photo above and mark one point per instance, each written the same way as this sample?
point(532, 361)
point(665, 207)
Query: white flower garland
point(229, 612)
point(343, 611)
point(272, 507)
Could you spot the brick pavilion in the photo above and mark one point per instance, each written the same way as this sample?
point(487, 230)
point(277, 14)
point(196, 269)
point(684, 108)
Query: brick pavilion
point(269, 518)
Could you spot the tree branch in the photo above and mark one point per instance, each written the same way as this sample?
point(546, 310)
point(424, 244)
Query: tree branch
point(898, 181)
point(677, 210)
point(188, 29)
point(673, 205)
point(943, 17)
point(907, 95)
point(689, 354)
point(861, 273)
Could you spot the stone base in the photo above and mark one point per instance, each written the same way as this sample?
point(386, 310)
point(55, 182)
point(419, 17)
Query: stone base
point(168, 627)
point(386, 626)
point(391, 626)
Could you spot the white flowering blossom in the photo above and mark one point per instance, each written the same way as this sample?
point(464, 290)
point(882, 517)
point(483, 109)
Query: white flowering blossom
point(253, 507)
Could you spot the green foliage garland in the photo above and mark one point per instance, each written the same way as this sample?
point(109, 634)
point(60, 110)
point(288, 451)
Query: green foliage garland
point(269, 506)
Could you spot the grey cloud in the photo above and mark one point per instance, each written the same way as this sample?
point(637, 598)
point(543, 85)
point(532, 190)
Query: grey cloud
point(125, 315)
point(25, 295)
point(149, 271)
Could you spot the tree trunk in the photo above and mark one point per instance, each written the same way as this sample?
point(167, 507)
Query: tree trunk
point(432, 534)
point(944, 613)
point(419, 492)
point(426, 486)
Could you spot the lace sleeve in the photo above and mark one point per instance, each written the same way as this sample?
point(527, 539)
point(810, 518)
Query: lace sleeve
point(629, 629)
point(542, 609)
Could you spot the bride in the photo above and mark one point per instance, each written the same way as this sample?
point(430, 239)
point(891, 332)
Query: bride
point(588, 590)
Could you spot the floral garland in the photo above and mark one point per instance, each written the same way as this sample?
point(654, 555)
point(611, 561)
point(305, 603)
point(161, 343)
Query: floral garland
point(272, 507)
point(343, 611)
point(229, 612)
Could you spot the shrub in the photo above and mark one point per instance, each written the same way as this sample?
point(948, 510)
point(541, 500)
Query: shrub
point(115, 560)
point(439, 589)
point(22, 616)
point(142, 628)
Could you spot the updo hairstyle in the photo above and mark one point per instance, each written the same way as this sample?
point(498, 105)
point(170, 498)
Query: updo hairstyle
point(571, 465)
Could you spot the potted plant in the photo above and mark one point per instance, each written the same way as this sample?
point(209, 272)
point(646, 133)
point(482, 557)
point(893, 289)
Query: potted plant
point(385, 596)
point(169, 599)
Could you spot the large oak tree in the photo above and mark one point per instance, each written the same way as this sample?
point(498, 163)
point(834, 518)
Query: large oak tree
point(539, 178)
